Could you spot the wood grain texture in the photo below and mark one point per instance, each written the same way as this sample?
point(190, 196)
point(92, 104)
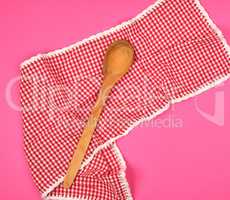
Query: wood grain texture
point(118, 59)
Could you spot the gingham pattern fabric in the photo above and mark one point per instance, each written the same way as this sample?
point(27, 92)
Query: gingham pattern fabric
point(178, 53)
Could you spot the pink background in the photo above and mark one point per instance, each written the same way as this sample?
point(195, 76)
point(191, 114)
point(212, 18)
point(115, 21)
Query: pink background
point(189, 162)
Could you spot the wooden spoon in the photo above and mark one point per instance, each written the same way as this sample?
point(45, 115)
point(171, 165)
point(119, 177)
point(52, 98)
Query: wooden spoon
point(118, 59)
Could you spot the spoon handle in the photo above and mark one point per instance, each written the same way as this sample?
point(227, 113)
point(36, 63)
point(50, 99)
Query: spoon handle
point(87, 134)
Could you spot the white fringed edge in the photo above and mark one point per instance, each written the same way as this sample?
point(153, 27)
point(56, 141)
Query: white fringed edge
point(213, 25)
point(109, 142)
point(64, 198)
point(122, 179)
point(122, 176)
point(105, 145)
point(93, 37)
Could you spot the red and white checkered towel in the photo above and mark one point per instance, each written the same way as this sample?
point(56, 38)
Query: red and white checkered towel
point(179, 53)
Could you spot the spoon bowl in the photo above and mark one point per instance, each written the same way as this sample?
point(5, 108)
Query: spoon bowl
point(118, 58)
